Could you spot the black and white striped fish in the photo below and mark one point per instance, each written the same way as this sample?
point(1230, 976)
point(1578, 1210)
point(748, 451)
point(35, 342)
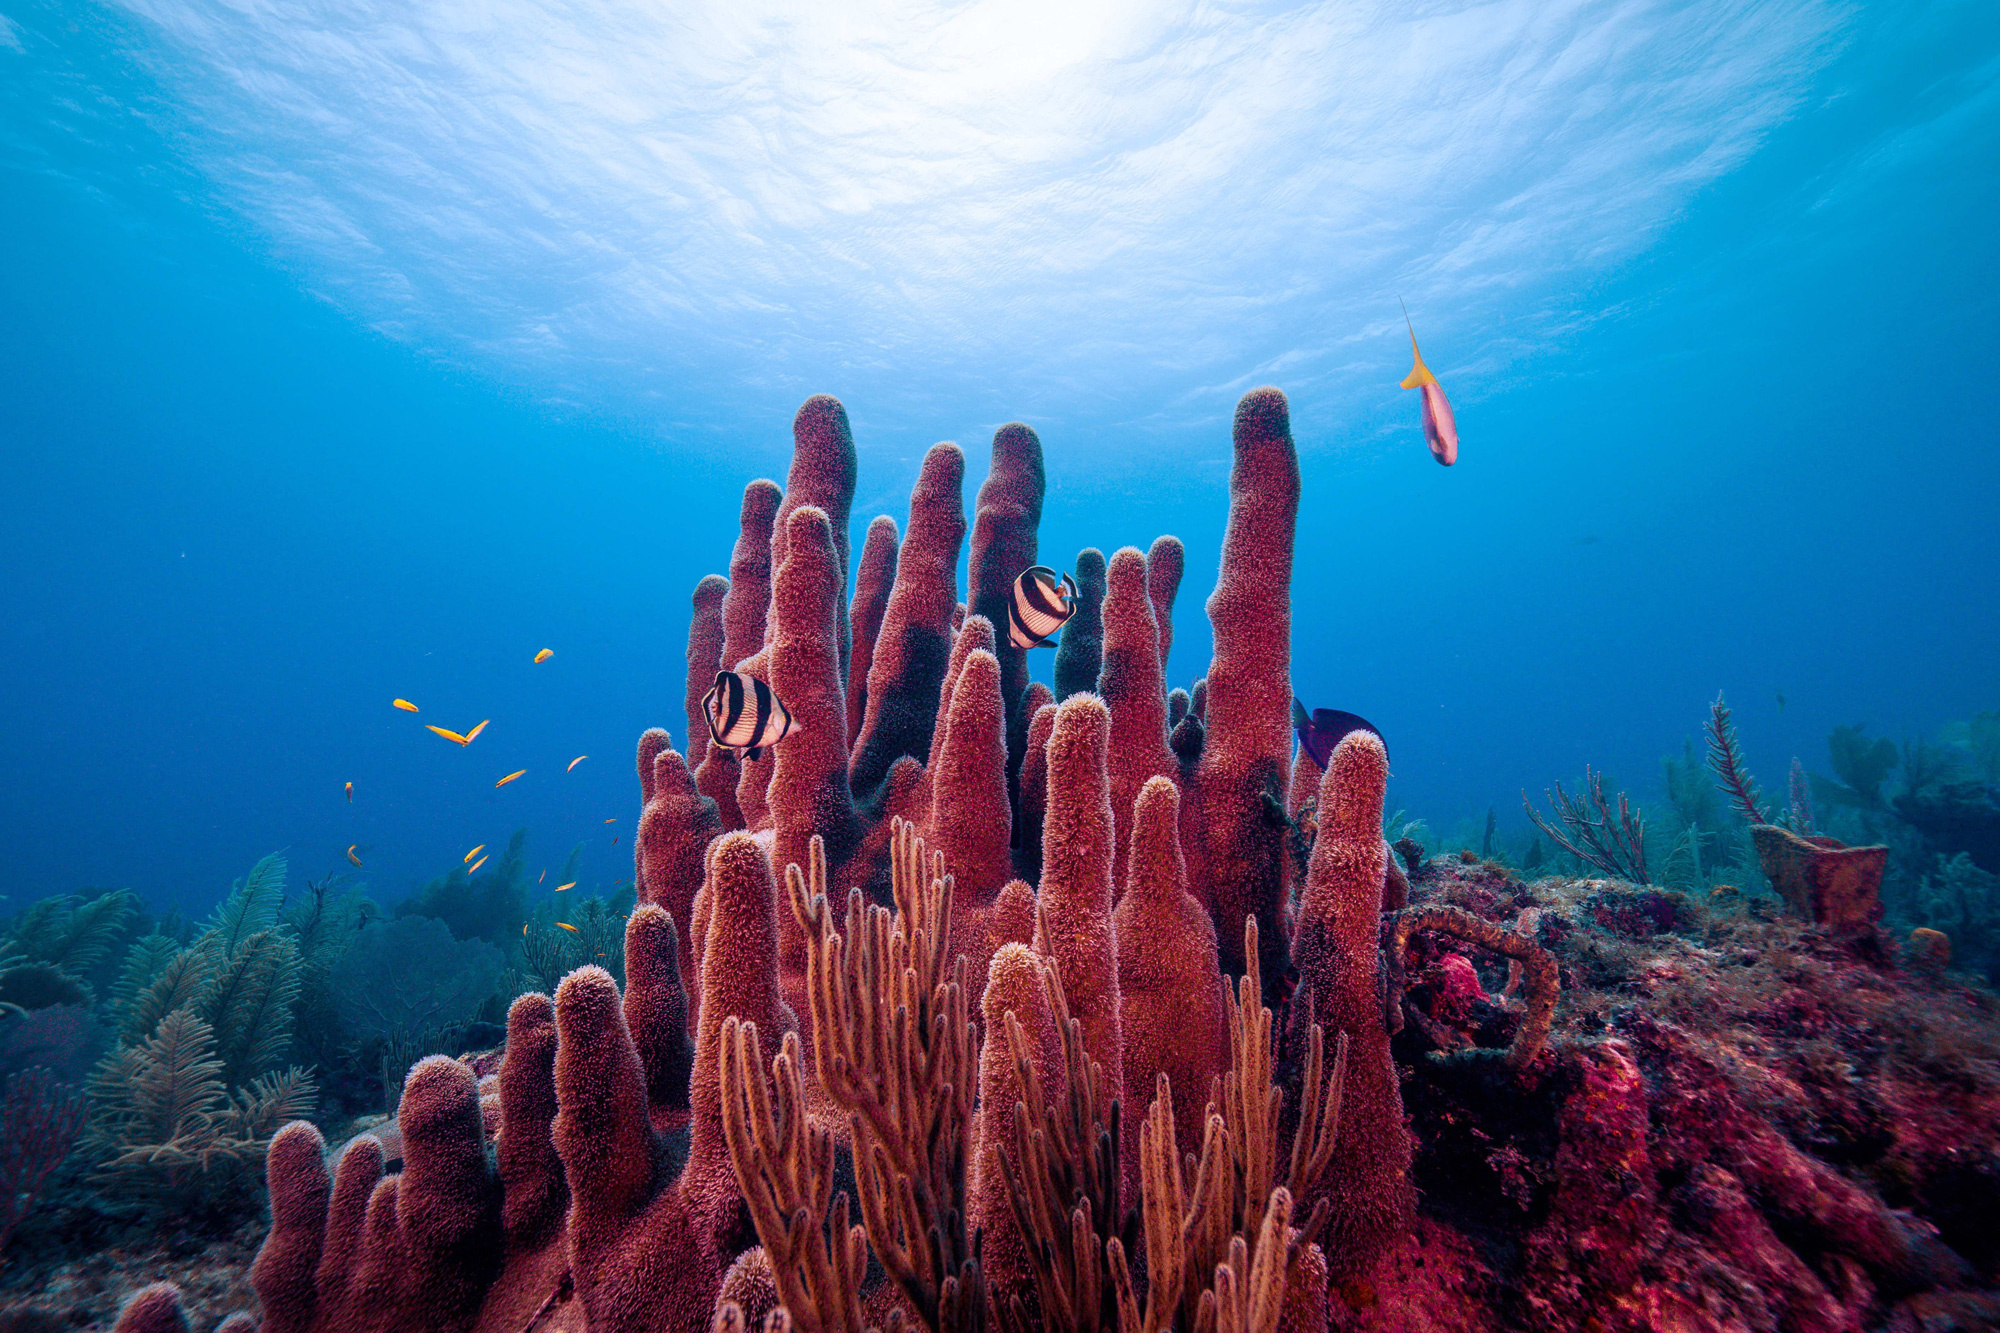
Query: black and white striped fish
point(1039, 606)
point(744, 715)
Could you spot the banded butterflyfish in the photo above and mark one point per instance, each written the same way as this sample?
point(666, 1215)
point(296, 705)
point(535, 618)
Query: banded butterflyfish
point(744, 715)
point(1040, 603)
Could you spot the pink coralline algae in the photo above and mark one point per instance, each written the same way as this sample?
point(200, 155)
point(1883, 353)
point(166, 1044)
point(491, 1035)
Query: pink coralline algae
point(1636, 1156)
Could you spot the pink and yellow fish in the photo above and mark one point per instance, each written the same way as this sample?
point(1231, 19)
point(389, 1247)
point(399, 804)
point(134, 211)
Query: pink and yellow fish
point(1440, 430)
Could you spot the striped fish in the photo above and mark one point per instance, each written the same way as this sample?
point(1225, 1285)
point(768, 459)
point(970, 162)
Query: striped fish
point(1039, 606)
point(744, 715)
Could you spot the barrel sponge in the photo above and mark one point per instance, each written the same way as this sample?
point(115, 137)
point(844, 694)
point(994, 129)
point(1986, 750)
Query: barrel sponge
point(656, 1007)
point(1006, 514)
point(676, 827)
point(1135, 690)
point(1013, 986)
point(1172, 1005)
point(287, 1265)
point(704, 659)
point(911, 651)
point(822, 477)
point(534, 1191)
point(969, 819)
point(1368, 1181)
point(448, 1208)
point(1081, 650)
point(1166, 559)
point(873, 578)
point(1074, 928)
point(156, 1309)
point(1246, 707)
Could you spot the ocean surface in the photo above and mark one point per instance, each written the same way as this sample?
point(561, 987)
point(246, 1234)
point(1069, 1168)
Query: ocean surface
point(352, 351)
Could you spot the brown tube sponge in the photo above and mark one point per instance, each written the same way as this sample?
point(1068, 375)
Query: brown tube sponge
point(448, 1208)
point(822, 477)
point(1165, 561)
point(911, 651)
point(1034, 794)
point(355, 1176)
point(872, 582)
point(1340, 915)
point(156, 1309)
point(1247, 748)
point(969, 819)
point(286, 1266)
point(1005, 516)
point(808, 793)
point(1081, 649)
point(1173, 1009)
point(1133, 688)
point(535, 1194)
point(704, 659)
point(1073, 927)
point(675, 829)
point(1013, 988)
point(656, 1007)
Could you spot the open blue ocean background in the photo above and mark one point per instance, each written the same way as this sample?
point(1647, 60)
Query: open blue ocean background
point(352, 350)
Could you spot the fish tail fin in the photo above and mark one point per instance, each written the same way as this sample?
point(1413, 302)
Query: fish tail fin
point(1419, 376)
point(1299, 718)
point(754, 752)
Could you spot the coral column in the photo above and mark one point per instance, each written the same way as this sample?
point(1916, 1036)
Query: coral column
point(704, 659)
point(744, 607)
point(969, 819)
point(822, 476)
point(1133, 688)
point(873, 579)
point(1074, 923)
point(1005, 518)
point(1368, 1180)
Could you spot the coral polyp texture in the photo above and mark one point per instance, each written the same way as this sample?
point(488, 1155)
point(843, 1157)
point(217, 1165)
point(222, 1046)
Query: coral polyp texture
point(978, 1005)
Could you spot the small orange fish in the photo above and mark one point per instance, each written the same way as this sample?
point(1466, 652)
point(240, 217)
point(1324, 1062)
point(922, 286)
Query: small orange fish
point(510, 777)
point(1440, 427)
point(545, 654)
point(612, 820)
point(539, 878)
point(403, 704)
point(561, 887)
point(448, 734)
point(475, 866)
point(350, 793)
point(350, 854)
point(574, 762)
point(524, 928)
point(473, 735)
point(474, 852)
point(568, 927)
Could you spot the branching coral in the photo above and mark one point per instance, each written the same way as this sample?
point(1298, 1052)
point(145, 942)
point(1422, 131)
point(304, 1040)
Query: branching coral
point(1725, 758)
point(39, 1122)
point(1596, 831)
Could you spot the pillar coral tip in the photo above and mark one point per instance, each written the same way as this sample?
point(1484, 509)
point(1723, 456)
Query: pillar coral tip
point(704, 659)
point(973, 635)
point(969, 820)
point(873, 578)
point(1238, 850)
point(1166, 558)
point(656, 1009)
point(1073, 926)
point(1006, 514)
point(448, 1207)
point(288, 1263)
point(906, 674)
point(156, 1309)
point(744, 607)
point(535, 1194)
point(1034, 802)
point(822, 477)
point(675, 829)
point(1132, 686)
point(1368, 1182)
point(1013, 991)
point(1080, 651)
point(356, 1173)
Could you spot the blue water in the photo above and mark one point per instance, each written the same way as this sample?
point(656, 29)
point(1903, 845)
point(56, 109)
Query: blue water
point(355, 351)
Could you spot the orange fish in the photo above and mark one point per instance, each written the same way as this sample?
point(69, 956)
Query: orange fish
point(403, 704)
point(567, 926)
point(539, 878)
point(475, 866)
point(545, 654)
point(574, 762)
point(473, 735)
point(524, 928)
point(474, 852)
point(561, 887)
point(448, 734)
point(612, 820)
point(1440, 427)
point(350, 853)
point(510, 777)
point(350, 793)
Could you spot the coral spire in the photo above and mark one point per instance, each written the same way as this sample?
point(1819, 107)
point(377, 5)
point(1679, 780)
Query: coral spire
point(356, 1174)
point(1006, 514)
point(1368, 1181)
point(914, 645)
point(656, 1006)
point(1013, 996)
point(969, 819)
point(448, 1207)
point(1081, 649)
point(283, 1275)
point(1246, 705)
point(822, 477)
point(1173, 1009)
point(1034, 794)
point(675, 829)
point(156, 1309)
point(808, 793)
point(1135, 691)
point(753, 776)
point(704, 659)
point(873, 579)
point(1165, 560)
point(1073, 927)
point(744, 607)
point(535, 1195)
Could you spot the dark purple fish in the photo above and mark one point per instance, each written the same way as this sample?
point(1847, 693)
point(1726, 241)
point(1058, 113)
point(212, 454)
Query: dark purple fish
point(1324, 728)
